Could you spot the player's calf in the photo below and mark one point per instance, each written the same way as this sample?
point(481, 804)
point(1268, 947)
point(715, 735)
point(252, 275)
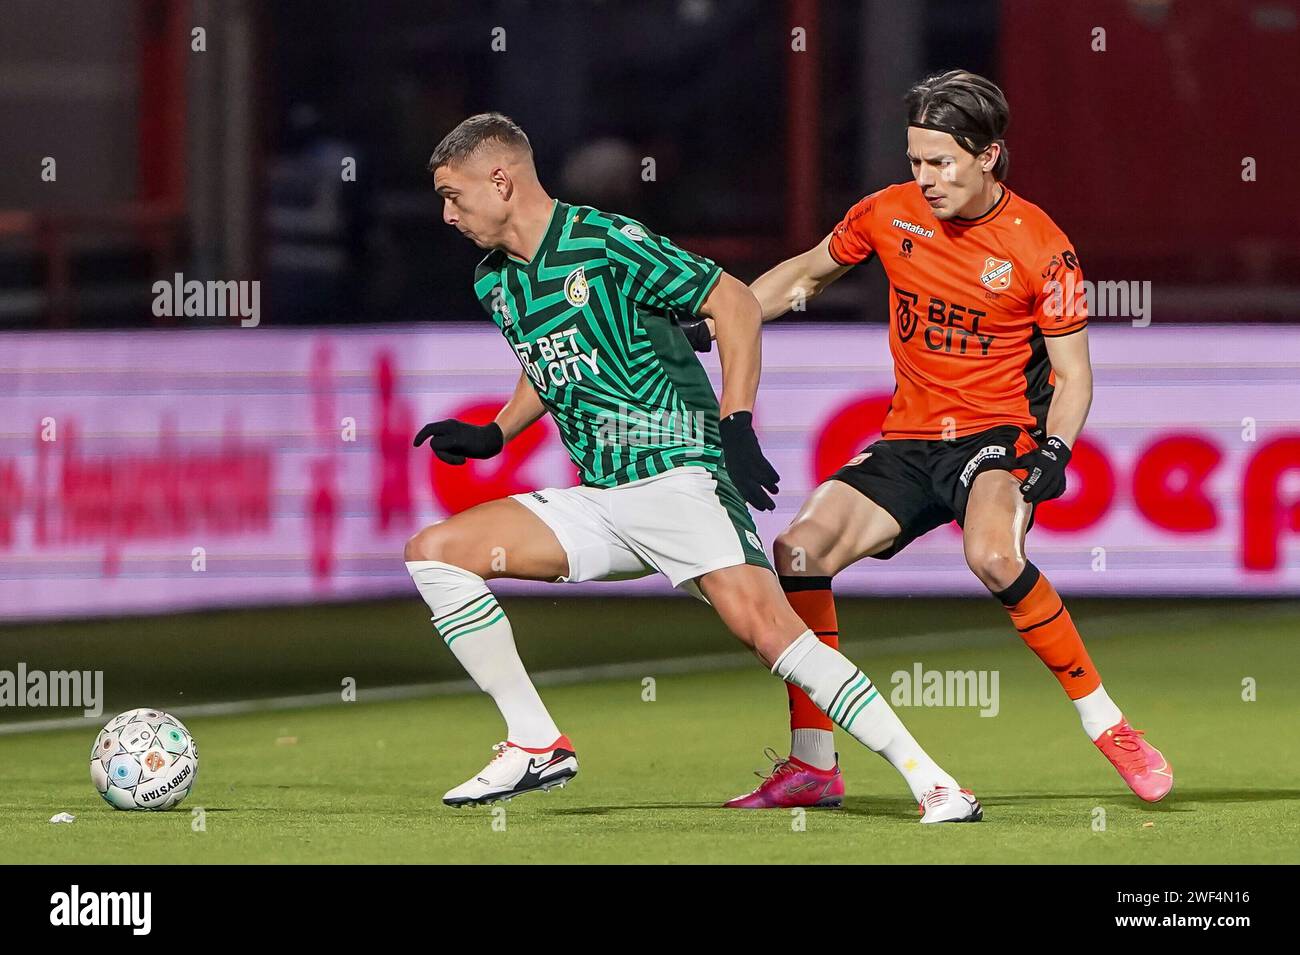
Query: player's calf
point(751, 603)
point(835, 527)
point(753, 608)
point(442, 560)
point(476, 630)
point(1043, 622)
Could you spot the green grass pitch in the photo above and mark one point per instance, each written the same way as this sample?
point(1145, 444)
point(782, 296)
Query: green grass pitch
point(361, 782)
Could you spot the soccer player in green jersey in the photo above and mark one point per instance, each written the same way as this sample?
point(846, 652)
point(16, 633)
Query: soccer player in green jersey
point(584, 299)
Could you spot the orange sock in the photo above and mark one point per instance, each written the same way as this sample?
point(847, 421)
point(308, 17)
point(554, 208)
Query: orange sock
point(812, 601)
point(1044, 624)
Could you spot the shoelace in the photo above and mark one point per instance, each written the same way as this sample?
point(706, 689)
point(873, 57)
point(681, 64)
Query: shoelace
point(780, 765)
point(498, 751)
point(1127, 740)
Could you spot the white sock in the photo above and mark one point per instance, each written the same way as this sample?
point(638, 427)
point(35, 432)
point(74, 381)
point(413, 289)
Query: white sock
point(1098, 712)
point(813, 746)
point(844, 693)
point(475, 628)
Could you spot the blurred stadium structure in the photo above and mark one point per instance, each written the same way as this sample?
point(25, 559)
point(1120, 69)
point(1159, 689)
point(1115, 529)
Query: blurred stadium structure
point(224, 164)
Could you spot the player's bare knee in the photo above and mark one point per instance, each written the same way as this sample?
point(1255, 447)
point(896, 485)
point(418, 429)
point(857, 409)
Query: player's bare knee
point(435, 542)
point(997, 569)
point(799, 548)
point(414, 549)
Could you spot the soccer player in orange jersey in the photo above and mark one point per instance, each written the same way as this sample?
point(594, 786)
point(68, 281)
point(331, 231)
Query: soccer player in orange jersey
point(990, 353)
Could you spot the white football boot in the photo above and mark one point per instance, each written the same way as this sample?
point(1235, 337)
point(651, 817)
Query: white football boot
point(945, 804)
point(514, 771)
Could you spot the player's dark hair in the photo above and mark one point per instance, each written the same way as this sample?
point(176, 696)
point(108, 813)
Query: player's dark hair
point(463, 141)
point(966, 106)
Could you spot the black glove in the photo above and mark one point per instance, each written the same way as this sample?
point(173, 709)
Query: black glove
point(697, 333)
point(750, 471)
point(453, 441)
point(1046, 465)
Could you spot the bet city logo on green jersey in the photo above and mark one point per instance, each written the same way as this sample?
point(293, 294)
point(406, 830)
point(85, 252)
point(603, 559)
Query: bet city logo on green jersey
point(559, 359)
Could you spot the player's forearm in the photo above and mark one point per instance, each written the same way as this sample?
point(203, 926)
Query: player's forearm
point(1071, 400)
point(523, 408)
point(738, 327)
point(780, 288)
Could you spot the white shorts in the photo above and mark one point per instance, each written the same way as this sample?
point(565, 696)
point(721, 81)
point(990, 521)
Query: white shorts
point(683, 524)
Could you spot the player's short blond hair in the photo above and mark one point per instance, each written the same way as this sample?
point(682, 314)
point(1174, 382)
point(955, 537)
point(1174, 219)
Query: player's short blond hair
point(476, 132)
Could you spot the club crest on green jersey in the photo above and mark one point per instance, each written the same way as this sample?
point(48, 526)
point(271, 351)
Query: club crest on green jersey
point(576, 292)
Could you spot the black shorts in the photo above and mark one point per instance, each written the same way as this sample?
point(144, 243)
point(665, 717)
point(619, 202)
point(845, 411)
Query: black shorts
point(925, 484)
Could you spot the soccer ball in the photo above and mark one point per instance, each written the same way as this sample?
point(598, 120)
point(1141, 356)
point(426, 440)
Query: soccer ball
point(144, 759)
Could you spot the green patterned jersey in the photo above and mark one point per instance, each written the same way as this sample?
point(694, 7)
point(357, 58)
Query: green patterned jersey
point(590, 319)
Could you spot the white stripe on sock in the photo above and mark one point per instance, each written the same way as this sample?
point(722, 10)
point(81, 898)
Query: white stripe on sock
point(478, 633)
point(829, 677)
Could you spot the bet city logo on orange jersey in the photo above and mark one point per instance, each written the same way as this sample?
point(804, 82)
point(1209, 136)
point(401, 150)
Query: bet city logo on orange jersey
point(949, 327)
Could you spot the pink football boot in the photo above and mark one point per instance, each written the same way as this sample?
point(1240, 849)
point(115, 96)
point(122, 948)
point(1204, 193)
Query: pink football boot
point(791, 784)
point(1142, 766)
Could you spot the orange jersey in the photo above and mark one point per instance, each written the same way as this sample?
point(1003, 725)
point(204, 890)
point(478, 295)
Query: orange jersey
point(972, 301)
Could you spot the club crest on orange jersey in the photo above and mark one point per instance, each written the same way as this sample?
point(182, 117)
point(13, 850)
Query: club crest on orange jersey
point(996, 274)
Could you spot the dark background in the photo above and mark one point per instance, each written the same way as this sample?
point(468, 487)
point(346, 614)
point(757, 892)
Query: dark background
point(225, 163)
